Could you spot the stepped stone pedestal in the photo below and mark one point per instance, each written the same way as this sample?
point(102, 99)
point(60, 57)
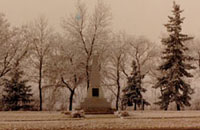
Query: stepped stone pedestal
point(95, 102)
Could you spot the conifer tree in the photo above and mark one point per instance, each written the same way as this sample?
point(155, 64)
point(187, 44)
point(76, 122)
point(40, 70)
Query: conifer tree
point(175, 66)
point(133, 91)
point(16, 94)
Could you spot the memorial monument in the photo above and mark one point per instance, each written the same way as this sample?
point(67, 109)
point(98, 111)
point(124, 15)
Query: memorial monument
point(95, 102)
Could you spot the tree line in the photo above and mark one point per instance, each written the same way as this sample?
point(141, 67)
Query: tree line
point(34, 54)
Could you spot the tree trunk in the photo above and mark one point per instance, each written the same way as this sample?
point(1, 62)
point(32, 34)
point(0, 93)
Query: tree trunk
point(118, 95)
point(40, 83)
point(143, 105)
point(71, 99)
point(72, 91)
point(178, 107)
point(135, 106)
point(118, 82)
point(87, 75)
point(118, 88)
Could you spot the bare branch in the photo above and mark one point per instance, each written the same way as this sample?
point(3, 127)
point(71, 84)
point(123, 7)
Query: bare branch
point(66, 84)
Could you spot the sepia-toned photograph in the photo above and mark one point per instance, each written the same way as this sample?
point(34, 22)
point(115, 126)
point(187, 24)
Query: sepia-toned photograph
point(99, 65)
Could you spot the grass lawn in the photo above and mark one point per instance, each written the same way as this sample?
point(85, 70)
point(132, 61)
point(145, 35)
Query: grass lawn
point(139, 120)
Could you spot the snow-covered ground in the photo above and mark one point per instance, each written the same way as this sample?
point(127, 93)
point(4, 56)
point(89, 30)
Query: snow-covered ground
point(138, 120)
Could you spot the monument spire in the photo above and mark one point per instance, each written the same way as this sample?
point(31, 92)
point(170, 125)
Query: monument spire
point(95, 101)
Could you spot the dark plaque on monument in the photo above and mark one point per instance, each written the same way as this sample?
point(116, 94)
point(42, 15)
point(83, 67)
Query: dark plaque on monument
point(95, 92)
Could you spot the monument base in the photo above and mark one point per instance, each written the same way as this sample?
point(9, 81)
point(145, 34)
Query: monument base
point(96, 106)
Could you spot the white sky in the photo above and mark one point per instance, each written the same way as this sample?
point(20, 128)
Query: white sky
point(137, 17)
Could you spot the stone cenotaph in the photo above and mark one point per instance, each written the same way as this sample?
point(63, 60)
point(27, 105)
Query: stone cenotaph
point(95, 102)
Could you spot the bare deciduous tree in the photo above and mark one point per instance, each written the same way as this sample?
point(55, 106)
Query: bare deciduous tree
point(88, 32)
point(126, 48)
point(41, 35)
point(68, 67)
point(116, 66)
point(73, 73)
point(13, 46)
point(142, 51)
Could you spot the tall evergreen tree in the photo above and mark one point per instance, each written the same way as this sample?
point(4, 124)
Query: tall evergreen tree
point(17, 95)
point(133, 91)
point(176, 64)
